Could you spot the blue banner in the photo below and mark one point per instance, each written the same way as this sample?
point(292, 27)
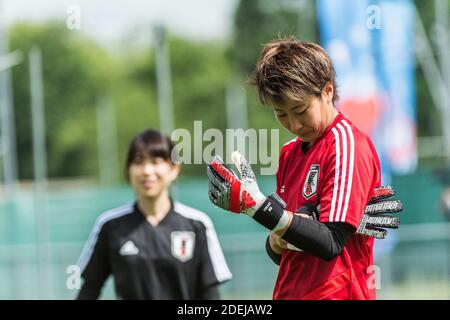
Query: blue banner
point(370, 43)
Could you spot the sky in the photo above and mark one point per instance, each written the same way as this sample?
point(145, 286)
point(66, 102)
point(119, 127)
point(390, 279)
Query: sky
point(108, 20)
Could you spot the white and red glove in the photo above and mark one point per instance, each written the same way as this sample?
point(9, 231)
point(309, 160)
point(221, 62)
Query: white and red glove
point(242, 195)
point(228, 191)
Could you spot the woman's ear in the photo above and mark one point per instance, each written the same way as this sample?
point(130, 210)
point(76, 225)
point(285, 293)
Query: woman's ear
point(328, 92)
point(175, 170)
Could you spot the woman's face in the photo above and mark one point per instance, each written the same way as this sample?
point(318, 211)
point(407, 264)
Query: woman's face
point(150, 177)
point(306, 119)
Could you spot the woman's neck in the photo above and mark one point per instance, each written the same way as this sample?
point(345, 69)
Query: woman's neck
point(331, 116)
point(155, 209)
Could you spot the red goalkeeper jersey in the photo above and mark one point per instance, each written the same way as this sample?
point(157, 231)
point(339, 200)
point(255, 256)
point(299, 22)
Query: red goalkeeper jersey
point(338, 173)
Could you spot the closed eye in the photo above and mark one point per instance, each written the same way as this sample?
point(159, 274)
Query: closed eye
point(302, 112)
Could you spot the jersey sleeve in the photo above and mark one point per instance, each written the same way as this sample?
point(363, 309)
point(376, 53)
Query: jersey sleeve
point(94, 263)
point(349, 176)
point(214, 269)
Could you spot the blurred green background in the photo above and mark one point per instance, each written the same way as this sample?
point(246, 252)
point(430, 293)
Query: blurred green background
point(43, 226)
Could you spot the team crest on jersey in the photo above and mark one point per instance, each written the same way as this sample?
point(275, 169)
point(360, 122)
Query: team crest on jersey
point(310, 185)
point(182, 245)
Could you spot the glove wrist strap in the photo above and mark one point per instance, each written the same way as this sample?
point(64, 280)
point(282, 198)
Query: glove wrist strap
point(271, 213)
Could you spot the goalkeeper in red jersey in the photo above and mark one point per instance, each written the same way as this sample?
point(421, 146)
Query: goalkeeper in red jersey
point(327, 175)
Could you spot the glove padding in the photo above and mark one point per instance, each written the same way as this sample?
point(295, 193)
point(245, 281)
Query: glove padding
point(228, 191)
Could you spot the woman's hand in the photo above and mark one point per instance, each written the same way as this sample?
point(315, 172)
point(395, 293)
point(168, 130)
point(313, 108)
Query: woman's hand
point(277, 244)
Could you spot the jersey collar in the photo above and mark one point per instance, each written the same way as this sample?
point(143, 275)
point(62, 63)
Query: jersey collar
point(163, 221)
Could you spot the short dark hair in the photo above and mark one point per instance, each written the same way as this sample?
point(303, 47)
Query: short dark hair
point(149, 143)
point(290, 70)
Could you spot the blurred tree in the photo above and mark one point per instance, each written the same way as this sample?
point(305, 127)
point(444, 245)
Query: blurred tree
point(429, 123)
point(429, 117)
point(75, 71)
point(256, 22)
point(200, 72)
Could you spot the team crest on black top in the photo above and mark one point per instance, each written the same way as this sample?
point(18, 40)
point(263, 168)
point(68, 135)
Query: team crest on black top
point(182, 245)
point(310, 185)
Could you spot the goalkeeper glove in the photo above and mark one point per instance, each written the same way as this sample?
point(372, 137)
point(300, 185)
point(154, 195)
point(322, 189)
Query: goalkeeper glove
point(242, 195)
point(377, 213)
